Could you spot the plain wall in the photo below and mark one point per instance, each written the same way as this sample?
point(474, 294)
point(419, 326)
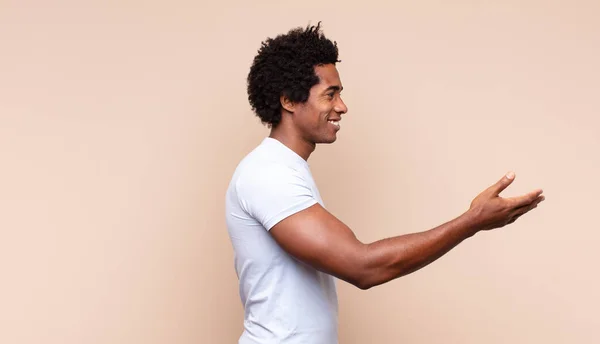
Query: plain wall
point(121, 123)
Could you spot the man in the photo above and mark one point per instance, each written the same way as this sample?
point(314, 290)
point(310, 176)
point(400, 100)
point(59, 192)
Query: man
point(288, 249)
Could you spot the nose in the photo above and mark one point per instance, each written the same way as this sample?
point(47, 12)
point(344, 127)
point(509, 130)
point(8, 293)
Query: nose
point(340, 106)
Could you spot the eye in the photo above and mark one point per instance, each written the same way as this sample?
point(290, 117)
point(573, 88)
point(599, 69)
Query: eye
point(330, 95)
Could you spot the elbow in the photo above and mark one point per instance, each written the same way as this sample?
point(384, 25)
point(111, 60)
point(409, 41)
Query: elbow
point(364, 285)
point(366, 268)
point(359, 282)
point(371, 278)
point(365, 281)
point(364, 277)
point(370, 271)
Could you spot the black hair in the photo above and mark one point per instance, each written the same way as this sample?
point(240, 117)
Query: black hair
point(285, 65)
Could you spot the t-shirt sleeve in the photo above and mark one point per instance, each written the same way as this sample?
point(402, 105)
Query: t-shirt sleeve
point(273, 193)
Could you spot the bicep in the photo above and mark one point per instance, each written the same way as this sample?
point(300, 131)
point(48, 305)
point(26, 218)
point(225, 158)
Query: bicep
point(317, 238)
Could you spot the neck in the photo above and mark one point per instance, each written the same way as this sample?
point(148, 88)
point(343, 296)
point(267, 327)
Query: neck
point(292, 141)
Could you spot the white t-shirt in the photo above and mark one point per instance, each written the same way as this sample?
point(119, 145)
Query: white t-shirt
point(285, 301)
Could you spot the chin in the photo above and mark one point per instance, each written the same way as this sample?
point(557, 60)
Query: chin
point(327, 140)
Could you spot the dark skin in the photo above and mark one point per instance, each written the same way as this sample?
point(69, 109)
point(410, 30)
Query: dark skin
point(319, 239)
point(304, 125)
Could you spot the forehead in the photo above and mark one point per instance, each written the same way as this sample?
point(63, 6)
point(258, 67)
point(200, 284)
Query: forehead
point(328, 76)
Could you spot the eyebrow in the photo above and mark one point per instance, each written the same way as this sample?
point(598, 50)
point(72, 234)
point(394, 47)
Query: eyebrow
point(334, 88)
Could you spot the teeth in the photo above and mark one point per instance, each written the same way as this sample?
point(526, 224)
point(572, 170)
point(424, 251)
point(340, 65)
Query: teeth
point(334, 123)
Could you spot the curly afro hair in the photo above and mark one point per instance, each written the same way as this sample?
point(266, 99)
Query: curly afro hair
point(285, 65)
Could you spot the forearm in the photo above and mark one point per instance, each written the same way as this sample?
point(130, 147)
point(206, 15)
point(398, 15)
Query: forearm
point(390, 258)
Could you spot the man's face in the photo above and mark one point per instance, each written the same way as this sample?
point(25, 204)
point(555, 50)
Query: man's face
point(318, 118)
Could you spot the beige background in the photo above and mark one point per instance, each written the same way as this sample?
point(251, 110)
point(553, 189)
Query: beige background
point(122, 121)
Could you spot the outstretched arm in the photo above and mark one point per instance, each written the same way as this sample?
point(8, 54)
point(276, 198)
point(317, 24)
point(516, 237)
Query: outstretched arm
point(319, 239)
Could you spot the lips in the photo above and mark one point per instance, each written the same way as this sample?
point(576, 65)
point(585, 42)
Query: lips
point(335, 122)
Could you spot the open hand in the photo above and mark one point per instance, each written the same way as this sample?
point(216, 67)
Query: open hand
point(492, 211)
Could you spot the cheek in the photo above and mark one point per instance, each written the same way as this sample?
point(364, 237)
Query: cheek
point(324, 111)
point(315, 116)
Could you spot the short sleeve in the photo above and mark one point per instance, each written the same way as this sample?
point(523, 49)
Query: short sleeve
point(272, 193)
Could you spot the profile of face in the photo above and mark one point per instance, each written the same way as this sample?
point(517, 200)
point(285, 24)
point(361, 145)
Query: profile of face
point(318, 119)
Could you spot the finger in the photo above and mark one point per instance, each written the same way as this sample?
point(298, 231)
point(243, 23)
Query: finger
point(526, 199)
point(526, 208)
point(531, 206)
point(514, 219)
point(502, 184)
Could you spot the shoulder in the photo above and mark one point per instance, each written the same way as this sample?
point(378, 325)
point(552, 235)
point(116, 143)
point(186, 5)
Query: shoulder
point(263, 175)
point(271, 191)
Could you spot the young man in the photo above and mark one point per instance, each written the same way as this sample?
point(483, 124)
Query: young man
point(288, 249)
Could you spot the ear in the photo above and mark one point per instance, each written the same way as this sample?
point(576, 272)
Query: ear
point(287, 104)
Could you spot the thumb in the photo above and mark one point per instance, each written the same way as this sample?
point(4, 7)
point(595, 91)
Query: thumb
point(502, 184)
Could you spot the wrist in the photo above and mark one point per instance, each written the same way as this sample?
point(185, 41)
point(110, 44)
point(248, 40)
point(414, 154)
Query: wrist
point(472, 221)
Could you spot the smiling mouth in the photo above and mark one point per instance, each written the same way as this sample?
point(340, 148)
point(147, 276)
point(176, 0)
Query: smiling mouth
point(336, 123)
